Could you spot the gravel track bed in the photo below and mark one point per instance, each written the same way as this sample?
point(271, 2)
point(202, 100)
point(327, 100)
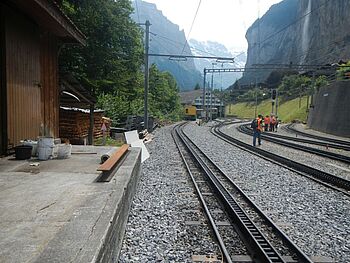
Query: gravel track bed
point(316, 218)
point(330, 149)
point(322, 163)
point(156, 230)
point(303, 128)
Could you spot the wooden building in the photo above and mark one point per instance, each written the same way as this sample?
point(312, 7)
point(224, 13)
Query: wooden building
point(31, 34)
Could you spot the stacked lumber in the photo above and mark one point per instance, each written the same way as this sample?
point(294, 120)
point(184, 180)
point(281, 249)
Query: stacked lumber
point(74, 125)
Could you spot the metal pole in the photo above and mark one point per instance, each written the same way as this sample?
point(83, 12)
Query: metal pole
point(203, 99)
point(91, 127)
point(276, 101)
point(256, 102)
point(211, 97)
point(146, 75)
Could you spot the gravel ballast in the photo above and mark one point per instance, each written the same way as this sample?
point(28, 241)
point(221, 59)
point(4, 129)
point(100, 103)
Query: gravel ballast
point(322, 163)
point(165, 200)
point(316, 218)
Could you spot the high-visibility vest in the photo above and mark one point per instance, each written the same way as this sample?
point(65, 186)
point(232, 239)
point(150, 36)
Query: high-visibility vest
point(259, 124)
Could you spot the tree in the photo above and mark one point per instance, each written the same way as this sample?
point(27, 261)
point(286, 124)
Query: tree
point(111, 60)
point(197, 87)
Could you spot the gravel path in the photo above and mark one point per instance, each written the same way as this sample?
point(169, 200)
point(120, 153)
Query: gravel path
point(156, 229)
point(330, 166)
point(316, 218)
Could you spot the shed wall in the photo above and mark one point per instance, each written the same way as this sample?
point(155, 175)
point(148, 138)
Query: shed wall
point(22, 77)
point(49, 84)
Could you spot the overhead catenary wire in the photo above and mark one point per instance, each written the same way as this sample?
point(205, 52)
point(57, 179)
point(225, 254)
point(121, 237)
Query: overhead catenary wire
point(137, 11)
point(194, 19)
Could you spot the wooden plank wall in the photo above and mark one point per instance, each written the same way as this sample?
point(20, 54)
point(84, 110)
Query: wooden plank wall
point(22, 78)
point(3, 96)
point(49, 83)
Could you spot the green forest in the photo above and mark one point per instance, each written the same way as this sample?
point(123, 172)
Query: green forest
point(110, 65)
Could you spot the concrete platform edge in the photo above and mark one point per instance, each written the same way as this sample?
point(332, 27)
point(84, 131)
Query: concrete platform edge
point(110, 249)
point(96, 230)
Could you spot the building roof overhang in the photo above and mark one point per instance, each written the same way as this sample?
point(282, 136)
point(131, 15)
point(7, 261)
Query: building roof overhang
point(49, 15)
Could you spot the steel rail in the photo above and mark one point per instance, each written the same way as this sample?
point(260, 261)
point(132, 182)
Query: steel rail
point(302, 257)
point(337, 183)
point(201, 198)
point(260, 248)
point(290, 128)
point(320, 143)
point(330, 155)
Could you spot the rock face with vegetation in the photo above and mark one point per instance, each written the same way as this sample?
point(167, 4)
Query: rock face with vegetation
point(167, 38)
point(299, 32)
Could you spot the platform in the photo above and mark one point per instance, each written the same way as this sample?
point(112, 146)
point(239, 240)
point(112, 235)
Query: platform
point(58, 212)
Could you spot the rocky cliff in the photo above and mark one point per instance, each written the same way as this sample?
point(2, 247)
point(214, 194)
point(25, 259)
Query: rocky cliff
point(167, 38)
point(299, 32)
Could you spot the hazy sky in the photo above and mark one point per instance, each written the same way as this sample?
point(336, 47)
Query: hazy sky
point(224, 21)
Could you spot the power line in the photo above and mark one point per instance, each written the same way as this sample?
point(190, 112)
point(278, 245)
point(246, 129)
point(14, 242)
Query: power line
point(137, 11)
point(194, 19)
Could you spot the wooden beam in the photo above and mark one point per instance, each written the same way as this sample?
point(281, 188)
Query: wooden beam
point(66, 83)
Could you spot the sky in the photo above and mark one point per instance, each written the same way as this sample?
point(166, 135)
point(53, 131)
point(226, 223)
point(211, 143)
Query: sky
point(223, 21)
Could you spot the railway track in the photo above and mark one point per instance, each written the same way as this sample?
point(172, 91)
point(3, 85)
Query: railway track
point(308, 141)
point(290, 128)
point(326, 179)
point(268, 137)
point(263, 239)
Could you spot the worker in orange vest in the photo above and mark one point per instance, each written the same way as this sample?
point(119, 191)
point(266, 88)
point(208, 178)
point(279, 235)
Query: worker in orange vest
point(257, 125)
point(273, 123)
point(266, 122)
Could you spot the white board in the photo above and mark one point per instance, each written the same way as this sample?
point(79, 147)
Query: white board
point(132, 138)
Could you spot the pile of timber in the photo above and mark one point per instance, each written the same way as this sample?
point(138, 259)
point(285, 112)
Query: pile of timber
point(75, 123)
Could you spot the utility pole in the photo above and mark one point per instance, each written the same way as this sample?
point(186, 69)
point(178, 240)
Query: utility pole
point(203, 100)
point(211, 97)
point(147, 24)
point(276, 101)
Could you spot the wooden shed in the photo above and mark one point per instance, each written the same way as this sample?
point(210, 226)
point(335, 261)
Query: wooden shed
point(31, 34)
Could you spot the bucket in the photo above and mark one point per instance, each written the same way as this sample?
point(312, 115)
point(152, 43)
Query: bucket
point(23, 152)
point(34, 144)
point(64, 151)
point(45, 148)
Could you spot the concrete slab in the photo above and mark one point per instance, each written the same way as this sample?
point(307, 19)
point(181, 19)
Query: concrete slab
point(57, 212)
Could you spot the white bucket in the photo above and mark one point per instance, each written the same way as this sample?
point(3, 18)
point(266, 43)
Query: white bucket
point(45, 148)
point(45, 142)
point(64, 151)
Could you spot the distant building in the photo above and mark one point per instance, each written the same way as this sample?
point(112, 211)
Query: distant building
point(195, 98)
point(31, 35)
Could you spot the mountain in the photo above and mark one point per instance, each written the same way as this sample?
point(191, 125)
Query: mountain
point(167, 38)
point(210, 48)
point(299, 32)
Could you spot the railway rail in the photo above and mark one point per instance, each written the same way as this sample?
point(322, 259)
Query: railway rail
point(290, 128)
point(328, 180)
point(241, 209)
point(331, 155)
point(319, 142)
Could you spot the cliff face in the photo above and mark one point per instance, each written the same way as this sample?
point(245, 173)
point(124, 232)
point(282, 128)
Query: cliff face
point(299, 32)
point(167, 38)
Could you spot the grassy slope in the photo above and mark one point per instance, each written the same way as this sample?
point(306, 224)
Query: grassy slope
point(287, 111)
